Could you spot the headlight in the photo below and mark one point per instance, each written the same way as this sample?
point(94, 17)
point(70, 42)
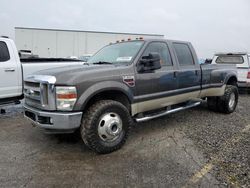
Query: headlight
point(65, 98)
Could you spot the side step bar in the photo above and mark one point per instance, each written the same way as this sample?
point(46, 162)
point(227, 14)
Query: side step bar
point(146, 118)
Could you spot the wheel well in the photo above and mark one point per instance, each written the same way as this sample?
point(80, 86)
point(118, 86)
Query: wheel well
point(115, 95)
point(232, 81)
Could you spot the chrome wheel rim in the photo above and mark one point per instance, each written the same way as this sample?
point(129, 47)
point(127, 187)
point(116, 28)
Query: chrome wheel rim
point(110, 127)
point(232, 100)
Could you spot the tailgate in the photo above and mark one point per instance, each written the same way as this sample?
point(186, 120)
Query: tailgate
point(242, 74)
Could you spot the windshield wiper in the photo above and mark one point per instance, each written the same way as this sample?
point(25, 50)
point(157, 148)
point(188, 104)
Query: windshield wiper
point(103, 63)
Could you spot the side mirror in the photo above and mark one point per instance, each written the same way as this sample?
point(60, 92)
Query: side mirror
point(149, 63)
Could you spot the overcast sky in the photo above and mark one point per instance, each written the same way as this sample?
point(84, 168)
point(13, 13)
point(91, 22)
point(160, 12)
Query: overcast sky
point(211, 25)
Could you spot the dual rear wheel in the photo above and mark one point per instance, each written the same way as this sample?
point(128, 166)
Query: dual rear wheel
point(226, 103)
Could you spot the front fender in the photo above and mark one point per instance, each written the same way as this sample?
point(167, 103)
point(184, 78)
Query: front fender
point(100, 87)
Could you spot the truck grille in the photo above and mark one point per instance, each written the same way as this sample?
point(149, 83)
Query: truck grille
point(39, 93)
point(32, 93)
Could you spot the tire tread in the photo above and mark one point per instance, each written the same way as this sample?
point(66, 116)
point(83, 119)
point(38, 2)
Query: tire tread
point(88, 132)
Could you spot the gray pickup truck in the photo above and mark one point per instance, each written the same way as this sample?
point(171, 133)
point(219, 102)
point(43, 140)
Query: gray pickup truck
point(123, 83)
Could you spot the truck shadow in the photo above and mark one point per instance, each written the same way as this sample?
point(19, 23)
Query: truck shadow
point(244, 92)
point(144, 129)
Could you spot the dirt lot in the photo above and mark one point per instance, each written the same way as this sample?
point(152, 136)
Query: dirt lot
point(193, 148)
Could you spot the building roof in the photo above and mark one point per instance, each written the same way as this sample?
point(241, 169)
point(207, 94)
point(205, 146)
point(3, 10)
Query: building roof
point(30, 28)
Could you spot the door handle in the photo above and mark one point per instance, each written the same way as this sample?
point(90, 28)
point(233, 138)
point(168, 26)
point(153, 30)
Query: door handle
point(9, 70)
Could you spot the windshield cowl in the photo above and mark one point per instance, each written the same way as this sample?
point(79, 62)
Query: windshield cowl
point(102, 63)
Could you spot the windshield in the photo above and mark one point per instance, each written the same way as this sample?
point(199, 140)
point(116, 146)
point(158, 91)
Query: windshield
point(120, 53)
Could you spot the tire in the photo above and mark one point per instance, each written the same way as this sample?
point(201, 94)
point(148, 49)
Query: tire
point(248, 91)
point(105, 126)
point(228, 102)
point(212, 104)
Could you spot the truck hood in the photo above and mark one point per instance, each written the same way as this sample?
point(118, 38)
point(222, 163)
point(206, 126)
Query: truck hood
point(78, 73)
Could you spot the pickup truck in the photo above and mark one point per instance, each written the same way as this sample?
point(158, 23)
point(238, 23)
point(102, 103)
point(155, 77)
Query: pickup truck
point(123, 83)
point(13, 70)
point(242, 62)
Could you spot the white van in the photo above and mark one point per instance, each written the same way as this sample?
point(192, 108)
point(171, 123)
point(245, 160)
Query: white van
point(241, 60)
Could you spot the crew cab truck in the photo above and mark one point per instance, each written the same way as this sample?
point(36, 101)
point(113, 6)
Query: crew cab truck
point(123, 83)
point(13, 70)
point(241, 61)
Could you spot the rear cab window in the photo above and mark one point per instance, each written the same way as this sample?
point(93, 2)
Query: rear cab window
point(4, 52)
point(184, 54)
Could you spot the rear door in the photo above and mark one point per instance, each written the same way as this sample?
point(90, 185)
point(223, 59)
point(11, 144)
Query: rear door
point(9, 83)
point(189, 72)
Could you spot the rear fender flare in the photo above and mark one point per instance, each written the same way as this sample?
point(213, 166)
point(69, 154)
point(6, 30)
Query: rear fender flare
point(230, 76)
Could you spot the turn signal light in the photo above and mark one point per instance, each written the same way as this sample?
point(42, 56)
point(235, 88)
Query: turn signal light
point(67, 96)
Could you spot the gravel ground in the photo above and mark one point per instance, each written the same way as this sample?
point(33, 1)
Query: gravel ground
point(193, 148)
point(224, 141)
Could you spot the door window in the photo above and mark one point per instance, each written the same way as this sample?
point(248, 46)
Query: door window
point(162, 49)
point(4, 52)
point(184, 54)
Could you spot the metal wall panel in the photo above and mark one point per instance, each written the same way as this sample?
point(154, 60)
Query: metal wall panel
point(64, 43)
point(44, 43)
point(24, 39)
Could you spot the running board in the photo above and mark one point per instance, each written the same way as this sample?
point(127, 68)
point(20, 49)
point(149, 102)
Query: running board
point(146, 118)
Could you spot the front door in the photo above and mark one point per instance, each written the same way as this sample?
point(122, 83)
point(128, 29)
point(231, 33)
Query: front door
point(152, 88)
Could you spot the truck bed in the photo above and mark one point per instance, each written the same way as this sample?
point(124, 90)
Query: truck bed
point(212, 76)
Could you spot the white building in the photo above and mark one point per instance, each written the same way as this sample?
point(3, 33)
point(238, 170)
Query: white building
point(64, 43)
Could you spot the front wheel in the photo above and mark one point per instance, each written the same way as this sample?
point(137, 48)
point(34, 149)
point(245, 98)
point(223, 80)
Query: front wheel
point(105, 126)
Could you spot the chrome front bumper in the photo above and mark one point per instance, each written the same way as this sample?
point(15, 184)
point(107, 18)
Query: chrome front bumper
point(58, 121)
